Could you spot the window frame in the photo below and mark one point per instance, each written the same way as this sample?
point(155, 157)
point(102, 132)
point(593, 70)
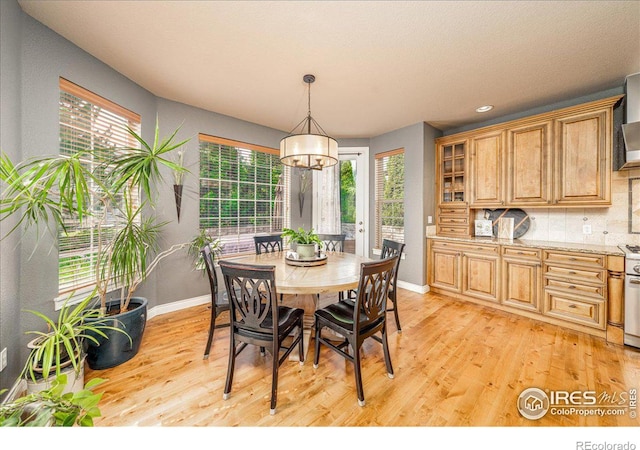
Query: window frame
point(380, 200)
point(235, 240)
point(81, 130)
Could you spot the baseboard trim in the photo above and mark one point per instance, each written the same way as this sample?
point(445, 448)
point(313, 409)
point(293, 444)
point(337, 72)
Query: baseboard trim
point(177, 306)
point(413, 287)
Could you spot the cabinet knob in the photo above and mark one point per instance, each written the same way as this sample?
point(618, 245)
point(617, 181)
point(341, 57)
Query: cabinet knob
point(573, 306)
point(572, 287)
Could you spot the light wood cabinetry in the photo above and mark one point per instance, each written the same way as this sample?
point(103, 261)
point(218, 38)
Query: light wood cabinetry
point(575, 287)
point(486, 167)
point(580, 290)
point(445, 269)
point(452, 209)
point(562, 158)
point(583, 158)
point(480, 271)
point(521, 278)
point(529, 164)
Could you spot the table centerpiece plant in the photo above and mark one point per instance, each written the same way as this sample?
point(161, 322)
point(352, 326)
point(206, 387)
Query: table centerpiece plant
point(305, 240)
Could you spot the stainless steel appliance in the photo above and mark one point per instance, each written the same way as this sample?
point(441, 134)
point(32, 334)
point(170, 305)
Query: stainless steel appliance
point(631, 126)
point(631, 294)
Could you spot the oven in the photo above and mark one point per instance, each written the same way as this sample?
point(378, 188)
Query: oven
point(631, 295)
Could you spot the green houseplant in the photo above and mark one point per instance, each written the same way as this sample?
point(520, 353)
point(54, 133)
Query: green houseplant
point(197, 243)
point(50, 190)
point(305, 241)
point(53, 406)
point(61, 349)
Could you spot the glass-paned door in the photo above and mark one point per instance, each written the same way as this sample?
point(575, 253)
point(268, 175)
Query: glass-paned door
point(351, 195)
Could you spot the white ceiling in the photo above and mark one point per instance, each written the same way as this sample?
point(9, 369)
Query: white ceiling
point(379, 66)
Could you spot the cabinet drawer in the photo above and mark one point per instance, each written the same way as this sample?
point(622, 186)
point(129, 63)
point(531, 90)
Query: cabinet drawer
point(575, 259)
point(453, 230)
point(574, 308)
point(575, 275)
point(448, 245)
point(454, 210)
point(597, 291)
point(453, 220)
point(521, 252)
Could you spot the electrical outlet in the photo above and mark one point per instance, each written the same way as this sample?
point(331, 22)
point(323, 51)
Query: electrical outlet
point(586, 229)
point(3, 359)
point(429, 219)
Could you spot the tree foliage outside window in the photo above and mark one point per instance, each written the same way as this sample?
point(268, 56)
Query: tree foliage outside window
point(242, 193)
point(389, 197)
point(347, 192)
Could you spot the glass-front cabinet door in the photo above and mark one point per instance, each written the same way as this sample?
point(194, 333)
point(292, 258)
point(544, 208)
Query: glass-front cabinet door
point(452, 168)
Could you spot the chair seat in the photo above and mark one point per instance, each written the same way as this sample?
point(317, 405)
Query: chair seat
point(287, 320)
point(339, 316)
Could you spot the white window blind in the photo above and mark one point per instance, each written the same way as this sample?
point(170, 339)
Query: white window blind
point(389, 167)
point(94, 124)
point(243, 192)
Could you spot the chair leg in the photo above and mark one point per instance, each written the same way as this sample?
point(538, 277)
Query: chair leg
point(316, 357)
point(358, 372)
point(395, 312)
point(274, 379)
point(212, 327)
point(387, 355)
point(301, 343)
point(230, 368)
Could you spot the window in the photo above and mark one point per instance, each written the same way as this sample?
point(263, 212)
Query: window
point(389, 196)
point(94, 124)
point(243, 192)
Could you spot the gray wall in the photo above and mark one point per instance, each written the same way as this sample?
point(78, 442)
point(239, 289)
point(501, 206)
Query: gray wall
point(33, 59)
point(419, 165)
point(10, 16)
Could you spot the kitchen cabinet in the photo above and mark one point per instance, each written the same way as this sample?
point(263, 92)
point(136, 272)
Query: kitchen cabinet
point(445, 269)
point(452, 211)
point(578, 289)
point(529, 164)
point(562, 158)
point(486, 164)
point(522, 278)
point(583, 158)
point(575, 287)
point(480, 271)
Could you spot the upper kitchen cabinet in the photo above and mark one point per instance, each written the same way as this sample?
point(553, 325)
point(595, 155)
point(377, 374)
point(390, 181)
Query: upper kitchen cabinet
point(452, 213)
point(583, 158)
point(529, 163)
point(486, 164)
point(562, 158)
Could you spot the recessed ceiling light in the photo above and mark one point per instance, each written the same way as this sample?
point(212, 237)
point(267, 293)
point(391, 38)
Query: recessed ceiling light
point(484, 108)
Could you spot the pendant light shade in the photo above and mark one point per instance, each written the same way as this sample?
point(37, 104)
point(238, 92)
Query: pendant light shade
point(306, 148)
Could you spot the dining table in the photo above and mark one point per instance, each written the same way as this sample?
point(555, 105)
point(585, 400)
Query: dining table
point(303, 282)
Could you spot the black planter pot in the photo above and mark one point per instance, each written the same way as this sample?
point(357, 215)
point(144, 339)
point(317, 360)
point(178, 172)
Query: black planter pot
point(117, 349)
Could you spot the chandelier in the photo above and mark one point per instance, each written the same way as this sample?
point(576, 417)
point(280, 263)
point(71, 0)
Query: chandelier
point(305, 149)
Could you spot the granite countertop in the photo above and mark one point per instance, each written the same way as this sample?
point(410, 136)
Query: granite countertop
point(549, 245)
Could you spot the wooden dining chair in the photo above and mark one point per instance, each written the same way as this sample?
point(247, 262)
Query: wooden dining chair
point(360, 320)
point(257, 319)
point(332, 242)
point(219, 300)
point(393, 248)
point(268, 243)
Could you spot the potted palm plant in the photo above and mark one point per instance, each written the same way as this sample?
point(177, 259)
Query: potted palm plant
point(305, 241)
point(56, 188)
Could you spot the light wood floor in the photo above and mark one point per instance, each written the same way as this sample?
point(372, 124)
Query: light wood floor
point(456, 364)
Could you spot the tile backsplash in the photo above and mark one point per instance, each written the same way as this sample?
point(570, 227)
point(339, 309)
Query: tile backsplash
point(609, 226)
